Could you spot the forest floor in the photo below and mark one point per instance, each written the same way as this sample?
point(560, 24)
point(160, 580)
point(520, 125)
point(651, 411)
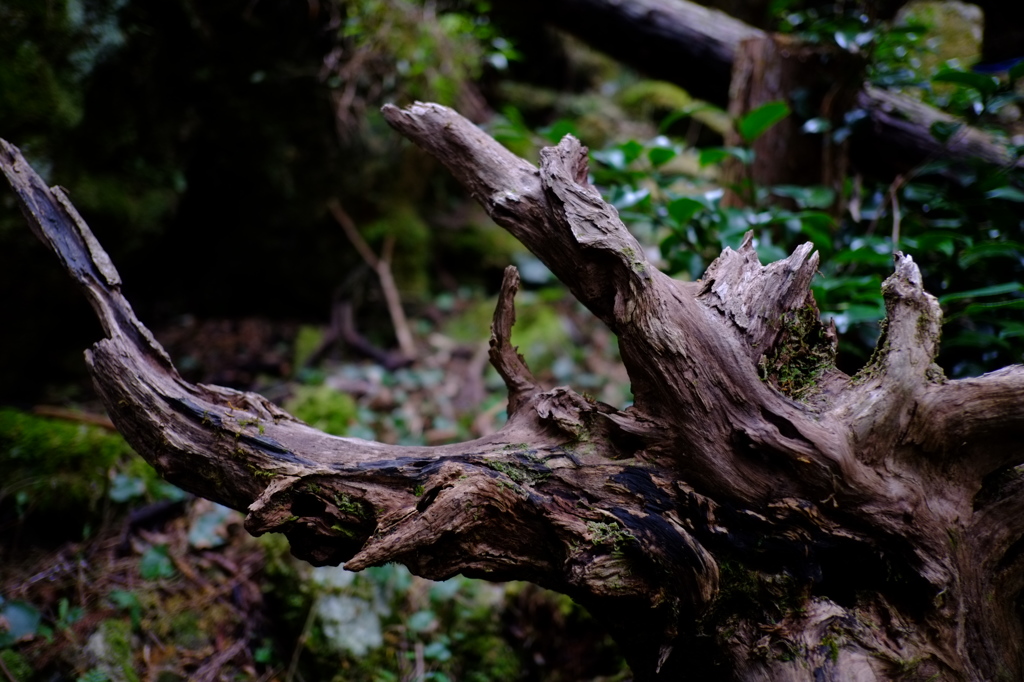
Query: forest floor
point(134, 580)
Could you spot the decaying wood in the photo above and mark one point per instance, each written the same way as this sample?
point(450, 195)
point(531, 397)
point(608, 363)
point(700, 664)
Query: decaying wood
point(754, 515)
point(695, 47)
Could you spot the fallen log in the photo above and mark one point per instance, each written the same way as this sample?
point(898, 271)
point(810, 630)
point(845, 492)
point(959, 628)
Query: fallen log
point(755, 514)
point(695, 47)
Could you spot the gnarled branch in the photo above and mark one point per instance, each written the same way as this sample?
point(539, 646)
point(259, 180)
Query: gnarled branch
point(751, 487)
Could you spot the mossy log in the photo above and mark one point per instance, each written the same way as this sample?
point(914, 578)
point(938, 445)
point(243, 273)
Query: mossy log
point(695, 47)
point(754, 515)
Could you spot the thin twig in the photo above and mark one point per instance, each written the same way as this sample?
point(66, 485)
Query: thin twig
point(421, 667)
point(855, 198)
point(382, 266)
point(345, 324)
point(271, 673)
point(54, 412)
point(349, 226)
point(301, 642)
point(895, 222)
point(889, 198)
point(210, 669)
point(394, 301)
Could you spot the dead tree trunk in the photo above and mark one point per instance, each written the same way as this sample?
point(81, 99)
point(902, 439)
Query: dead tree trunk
point(755, 515)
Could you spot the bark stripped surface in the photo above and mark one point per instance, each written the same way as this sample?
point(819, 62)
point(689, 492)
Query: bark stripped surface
point(755, 515)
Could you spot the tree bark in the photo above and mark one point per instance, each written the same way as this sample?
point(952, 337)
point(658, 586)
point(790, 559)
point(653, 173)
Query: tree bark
point(695, 47)
point(816, 81)
point(754, 515)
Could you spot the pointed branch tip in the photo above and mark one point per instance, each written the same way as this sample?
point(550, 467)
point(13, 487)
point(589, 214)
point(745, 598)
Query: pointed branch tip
point(505, 358)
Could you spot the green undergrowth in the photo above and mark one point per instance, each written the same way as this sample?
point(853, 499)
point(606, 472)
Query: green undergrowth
point(56, 468)
point(380, 624)
point(323, 408)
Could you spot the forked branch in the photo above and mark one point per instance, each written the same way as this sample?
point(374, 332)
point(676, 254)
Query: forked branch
point(744, 445)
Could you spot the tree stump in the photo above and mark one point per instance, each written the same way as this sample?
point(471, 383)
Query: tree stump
point(756, 514)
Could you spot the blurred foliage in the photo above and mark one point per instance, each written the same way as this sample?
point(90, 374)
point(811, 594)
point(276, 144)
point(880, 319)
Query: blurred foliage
point(923, 52)
point(58, 469)
point(47, 50)
point(322, 408)
point(203, 142)
point(962, 223)
point(397, 50)
point(165, 598)
point(383, 624)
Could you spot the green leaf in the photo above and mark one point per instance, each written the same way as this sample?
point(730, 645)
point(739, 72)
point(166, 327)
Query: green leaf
point(821, 239)
point(983, 83)
point(946, 223)
point(422, 621)
point(632, 150)
point(865, 283)
point(1008, 193)
point(1001, 100)
point(713, 155)
point(1016, 71)
point(445, 590)
point(94, 675)
point(682, 210)
point(688, 110)
point(661, 155)
point(613, 158)
point(156, 563)
point(437, 651)
point(922, 193)
point(68, 615)
point(986, 250)
point(436, 675)
point(863, 256)
point(124, 487)
point(943, 130)
point(973, 339)
point(21, 620)
point(559, 129)
point(210, 528)
point(994, 290)
point(265, 652)
point(629, 197)
point(1011, 330)
point(128, 601)
point(975, 308)
point(754, 124)
point(817, 196)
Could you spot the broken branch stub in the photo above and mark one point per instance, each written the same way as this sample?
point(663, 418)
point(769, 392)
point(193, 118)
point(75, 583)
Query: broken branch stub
point(753, 500)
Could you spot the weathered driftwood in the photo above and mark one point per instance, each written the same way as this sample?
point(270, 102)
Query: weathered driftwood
point(695, 47)
point(755, 515)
